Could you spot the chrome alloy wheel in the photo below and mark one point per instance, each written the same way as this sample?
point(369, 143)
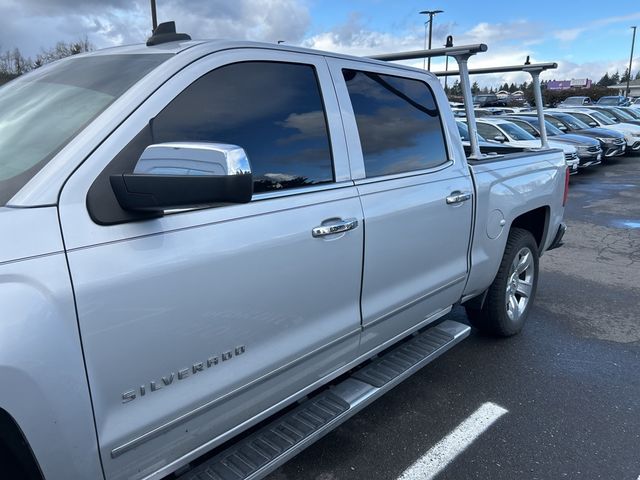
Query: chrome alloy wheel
point(519, 284)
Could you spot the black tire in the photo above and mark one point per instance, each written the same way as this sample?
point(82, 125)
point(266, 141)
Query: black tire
point(499, 315)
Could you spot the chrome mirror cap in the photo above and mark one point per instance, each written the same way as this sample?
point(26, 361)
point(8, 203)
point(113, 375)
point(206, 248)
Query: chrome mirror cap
point(193, 158)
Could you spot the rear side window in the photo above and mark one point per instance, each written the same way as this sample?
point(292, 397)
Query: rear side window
point(398, 122)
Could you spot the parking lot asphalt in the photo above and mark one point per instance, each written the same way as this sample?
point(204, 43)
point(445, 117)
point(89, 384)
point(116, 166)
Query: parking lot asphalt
point(570, 382)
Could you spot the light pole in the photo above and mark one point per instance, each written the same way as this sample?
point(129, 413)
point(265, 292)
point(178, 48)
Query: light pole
point(154, 16)
point(431, 13)
point(631, 61)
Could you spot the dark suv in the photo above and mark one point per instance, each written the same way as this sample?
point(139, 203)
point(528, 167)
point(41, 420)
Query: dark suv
point(488, 100)
point(613, 101)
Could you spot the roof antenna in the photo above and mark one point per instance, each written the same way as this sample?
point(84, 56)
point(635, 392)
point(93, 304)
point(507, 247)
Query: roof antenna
point(154, 16)
point(164, 33)
point(527, 61)
point(449, 43)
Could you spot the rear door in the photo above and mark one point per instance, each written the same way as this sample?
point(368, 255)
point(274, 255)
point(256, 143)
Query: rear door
point(416, 195)
point(196, 324)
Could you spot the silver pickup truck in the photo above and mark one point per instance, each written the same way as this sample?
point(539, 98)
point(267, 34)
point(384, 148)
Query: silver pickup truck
point(213, 253)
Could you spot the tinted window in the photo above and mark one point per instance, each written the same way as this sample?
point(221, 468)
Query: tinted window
point(398, 122)
point(573, 122)
point(515, 132)
point(488, 131)
point(272, 110)
point(526, 127)
point(602, 118)
point(584, 118)
point(463, 130)
point(42, 111)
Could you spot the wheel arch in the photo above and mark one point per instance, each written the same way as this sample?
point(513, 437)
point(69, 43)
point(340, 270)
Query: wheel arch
point(16, 456)
point(535, 221)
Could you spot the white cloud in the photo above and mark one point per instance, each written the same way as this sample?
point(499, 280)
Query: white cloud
point(37, 24)
point(569, 34)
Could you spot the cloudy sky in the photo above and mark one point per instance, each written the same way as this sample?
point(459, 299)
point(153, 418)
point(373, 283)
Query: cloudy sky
point(586, 38)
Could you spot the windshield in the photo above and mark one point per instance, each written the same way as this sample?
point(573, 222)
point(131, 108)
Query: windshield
point(633, 113)
point(609, 114)
point(516, 132)
point(608, 101)
point(43, 110)
point(573, 122)
point(602, 118)
point(622, 114)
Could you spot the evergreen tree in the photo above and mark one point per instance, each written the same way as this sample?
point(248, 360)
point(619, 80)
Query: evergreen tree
point(625, 76)
point(475, 88)
point(456, 90)
point(615, 78)
point(605, 81)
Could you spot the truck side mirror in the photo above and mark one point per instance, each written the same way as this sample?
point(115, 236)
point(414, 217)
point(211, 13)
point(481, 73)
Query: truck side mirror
point(185, 175)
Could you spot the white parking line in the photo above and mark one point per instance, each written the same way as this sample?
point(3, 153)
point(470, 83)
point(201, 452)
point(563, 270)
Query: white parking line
point(447, 449)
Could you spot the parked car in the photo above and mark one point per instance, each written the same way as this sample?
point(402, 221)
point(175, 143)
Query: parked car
point(488, 100)
point(575, 101)
point(486, 147)
point(615, 100)
point(593, 118)
point(503, 131)
point(617, 115)
point(634, 112)
point(184, 261)
point(588, 148)
point(613, 143)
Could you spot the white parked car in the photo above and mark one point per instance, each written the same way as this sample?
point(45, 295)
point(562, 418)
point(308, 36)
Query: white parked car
point(593, 118)
point(504, 131)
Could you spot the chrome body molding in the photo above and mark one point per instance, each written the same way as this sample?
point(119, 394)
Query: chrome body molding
point(185, 459)
point(415, 301)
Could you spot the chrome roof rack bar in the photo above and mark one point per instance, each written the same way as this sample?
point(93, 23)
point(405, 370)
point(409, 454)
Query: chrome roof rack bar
point(533, 69)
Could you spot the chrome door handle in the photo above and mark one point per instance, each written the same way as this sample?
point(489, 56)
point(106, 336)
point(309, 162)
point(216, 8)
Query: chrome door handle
point(458, 197)
point(342, 226)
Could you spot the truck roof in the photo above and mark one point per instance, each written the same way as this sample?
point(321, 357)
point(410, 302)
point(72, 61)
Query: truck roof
point(206, 47)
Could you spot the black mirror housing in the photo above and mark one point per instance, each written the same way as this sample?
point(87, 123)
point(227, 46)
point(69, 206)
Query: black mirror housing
point(153, 193)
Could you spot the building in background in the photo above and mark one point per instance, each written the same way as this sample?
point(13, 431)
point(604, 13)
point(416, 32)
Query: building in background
point(621, 88)
point(568, 84)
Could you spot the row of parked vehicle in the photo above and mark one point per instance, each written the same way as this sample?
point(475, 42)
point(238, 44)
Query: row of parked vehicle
point(606, 101)
point(587, 135)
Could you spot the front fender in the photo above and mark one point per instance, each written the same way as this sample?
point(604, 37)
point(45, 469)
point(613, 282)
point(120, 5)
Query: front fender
point(44, 384)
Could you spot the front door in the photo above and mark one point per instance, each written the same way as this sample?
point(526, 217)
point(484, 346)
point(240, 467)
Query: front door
point(197, 323)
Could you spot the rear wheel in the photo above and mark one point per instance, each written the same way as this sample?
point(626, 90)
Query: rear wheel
point(511, 294)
